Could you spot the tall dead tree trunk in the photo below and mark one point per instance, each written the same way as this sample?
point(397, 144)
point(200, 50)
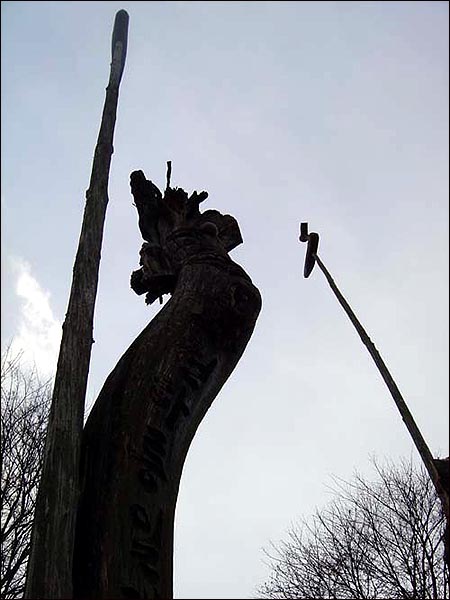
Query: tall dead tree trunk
point(140, 428)
point(49, 572)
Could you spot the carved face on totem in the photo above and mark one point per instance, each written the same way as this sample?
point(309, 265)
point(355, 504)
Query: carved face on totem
point(175, 233)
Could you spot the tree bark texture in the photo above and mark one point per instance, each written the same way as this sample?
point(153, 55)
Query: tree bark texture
point(49, 573)
point(139, 431)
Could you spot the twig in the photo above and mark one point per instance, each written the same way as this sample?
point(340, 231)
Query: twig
point(169, 173)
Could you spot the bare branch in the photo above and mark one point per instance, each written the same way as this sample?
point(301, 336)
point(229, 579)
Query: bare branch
point(375, 539)
point(24, 414)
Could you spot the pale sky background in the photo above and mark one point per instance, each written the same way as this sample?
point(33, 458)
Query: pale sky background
point(335, 113)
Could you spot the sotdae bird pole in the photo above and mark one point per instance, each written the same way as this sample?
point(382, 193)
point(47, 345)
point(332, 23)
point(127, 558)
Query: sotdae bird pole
point(49, 573)
point(425, 453)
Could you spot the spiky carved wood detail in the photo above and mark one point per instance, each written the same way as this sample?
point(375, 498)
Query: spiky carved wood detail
point(139, 431)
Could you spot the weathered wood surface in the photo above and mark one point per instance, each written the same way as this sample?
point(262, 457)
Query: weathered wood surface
point(49, 573)
point(138, 434)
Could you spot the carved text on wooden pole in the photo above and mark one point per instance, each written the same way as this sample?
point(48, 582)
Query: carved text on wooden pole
point(139, 431)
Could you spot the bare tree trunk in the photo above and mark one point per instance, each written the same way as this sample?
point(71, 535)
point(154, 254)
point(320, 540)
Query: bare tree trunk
point(49, 572)
point(139, 431)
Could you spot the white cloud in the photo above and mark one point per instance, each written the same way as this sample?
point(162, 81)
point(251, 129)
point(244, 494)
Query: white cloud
point(39, 332)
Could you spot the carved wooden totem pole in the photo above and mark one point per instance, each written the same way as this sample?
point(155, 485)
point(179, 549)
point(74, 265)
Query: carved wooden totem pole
point(140, 428)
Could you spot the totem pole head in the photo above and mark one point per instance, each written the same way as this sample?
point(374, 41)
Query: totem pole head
point(175, 233)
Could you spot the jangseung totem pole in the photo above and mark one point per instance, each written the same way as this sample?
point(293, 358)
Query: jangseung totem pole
point(139, 431)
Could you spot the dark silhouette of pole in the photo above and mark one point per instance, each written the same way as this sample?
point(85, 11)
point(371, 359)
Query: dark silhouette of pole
point(49, 573)
point(422, 447)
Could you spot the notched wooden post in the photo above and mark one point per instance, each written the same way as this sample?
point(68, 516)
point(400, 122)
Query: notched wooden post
point(139, 431)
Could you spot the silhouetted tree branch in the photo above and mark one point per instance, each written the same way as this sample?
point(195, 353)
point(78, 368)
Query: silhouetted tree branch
point(24, 413)
point(376, 539)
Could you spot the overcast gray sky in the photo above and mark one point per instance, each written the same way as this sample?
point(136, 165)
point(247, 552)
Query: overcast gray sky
point(335, 113)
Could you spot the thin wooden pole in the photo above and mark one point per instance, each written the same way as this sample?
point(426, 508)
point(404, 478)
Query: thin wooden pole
point(405, 413)
point(49, 573)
